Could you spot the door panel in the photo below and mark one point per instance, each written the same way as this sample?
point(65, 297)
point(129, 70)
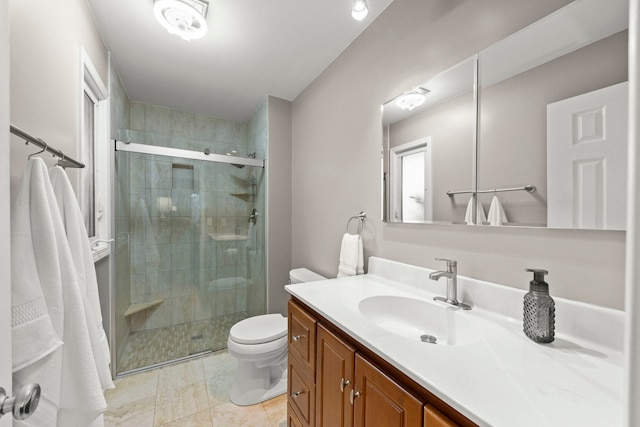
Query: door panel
point(5, 245)
point(334, 380)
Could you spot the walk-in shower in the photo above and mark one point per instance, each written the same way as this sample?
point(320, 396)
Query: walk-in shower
point(189, 250)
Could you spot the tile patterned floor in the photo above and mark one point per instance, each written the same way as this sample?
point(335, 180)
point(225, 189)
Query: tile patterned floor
point(150, 347)
point(189, 394)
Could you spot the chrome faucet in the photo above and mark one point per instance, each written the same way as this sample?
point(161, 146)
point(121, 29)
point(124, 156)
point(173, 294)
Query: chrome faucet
point(452, 283)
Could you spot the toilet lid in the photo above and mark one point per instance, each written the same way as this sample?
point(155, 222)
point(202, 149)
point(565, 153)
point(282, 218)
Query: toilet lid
point(259, 329)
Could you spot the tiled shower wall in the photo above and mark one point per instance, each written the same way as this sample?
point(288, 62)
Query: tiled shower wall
point(189, 221)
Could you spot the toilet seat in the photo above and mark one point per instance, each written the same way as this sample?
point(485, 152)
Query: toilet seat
point(259, 329)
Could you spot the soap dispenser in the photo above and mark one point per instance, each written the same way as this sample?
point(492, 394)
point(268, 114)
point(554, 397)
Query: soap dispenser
point(539, 309)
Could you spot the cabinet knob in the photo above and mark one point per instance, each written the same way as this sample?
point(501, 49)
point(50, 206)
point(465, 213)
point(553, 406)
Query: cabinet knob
point(296, 394)
point(23, 404)
point(343, 384)
point(296, 337)
point(354, 395)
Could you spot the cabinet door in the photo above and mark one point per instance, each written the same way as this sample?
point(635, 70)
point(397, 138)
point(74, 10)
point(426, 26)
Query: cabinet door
point(334, 380)
point(434, 418)
point(292, 418)
point(302, 338)
point(380, 401)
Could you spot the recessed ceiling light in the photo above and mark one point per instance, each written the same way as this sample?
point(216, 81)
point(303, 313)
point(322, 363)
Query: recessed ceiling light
point(359, 10)
point(184, 18)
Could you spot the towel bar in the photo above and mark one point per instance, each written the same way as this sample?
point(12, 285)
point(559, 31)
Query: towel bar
point(360, 217)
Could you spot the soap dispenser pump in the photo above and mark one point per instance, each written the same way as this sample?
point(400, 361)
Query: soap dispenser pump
point(539, 309)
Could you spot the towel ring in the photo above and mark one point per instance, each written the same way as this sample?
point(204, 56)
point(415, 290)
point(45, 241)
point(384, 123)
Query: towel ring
point(360, 217)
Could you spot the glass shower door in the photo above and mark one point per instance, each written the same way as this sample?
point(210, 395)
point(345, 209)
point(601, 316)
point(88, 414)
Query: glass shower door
point(191, 255)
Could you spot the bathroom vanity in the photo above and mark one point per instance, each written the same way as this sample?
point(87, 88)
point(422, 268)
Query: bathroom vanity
point(377, 350)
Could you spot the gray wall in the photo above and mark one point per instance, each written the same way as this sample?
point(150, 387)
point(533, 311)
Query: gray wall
point(279, 203)
point(45, 74)
point(337, 136)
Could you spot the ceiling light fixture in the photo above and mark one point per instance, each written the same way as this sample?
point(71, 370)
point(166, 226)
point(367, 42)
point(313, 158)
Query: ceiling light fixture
point(184, 18)
point(412, 99)
point(359, 10)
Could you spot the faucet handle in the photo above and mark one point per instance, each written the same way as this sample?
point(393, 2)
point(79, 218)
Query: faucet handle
point(451, 263)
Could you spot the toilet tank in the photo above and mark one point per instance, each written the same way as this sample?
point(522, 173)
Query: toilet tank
point(302, 275)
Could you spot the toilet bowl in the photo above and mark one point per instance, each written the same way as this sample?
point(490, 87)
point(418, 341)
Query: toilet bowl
point(259, 344)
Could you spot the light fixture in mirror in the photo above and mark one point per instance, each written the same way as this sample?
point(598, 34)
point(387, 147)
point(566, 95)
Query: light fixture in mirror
point(553, 115)
point(429, 147)
point(412, 99)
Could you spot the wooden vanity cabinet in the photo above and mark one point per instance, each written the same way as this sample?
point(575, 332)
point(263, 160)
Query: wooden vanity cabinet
point(335, 382)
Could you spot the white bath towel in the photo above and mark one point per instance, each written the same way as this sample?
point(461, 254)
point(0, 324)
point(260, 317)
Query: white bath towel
point(36, 315)
point(468, 217)
point(79, 393)
point(351, 256)
point(82, 256)
point(496, 213)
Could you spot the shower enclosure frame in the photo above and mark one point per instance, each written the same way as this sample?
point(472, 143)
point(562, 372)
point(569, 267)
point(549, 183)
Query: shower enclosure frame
point(127, 146)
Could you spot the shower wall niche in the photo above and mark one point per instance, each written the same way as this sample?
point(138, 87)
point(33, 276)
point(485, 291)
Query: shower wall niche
point(191, 261)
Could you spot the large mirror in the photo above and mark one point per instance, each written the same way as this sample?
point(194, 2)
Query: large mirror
point(429, 134)
point(552, 128)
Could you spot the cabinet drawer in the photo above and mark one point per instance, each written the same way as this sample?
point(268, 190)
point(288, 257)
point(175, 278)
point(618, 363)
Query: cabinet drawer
point(302, 394)
point(302, 338)
point(434, 418)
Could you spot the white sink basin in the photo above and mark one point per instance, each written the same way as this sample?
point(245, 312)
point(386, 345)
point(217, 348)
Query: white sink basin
point(419, 320)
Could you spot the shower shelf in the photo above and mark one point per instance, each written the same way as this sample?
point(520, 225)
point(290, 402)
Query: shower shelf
point(141, 306)
point(247, 197)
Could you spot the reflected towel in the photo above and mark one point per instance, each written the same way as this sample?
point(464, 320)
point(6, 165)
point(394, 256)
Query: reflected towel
point(251, 236)
point(468, 217)
point(78, 240)
point(144, 232)
point(351, 256)
point(496, 213)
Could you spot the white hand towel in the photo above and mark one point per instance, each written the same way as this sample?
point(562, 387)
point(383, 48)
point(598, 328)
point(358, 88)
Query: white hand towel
point(79, 394)
point(468, 217)
point(496, 213)
point(351, 256)
point(78, 240)
point(36, 315)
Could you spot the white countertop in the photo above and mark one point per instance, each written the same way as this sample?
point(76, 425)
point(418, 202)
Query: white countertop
point(500, 378)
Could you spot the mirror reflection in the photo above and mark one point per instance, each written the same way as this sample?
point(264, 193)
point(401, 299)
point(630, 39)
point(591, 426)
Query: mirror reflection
point(552, 123)
point(429, 134)
point(553, 115)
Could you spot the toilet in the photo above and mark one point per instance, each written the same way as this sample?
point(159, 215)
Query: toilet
point(259, 344)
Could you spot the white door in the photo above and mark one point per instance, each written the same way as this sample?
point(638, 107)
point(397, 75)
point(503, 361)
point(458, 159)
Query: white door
point(410, 171)
point(5, 249)
point(587, 160)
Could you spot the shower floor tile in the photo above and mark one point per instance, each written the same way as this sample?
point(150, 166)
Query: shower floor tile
point(154, 346)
